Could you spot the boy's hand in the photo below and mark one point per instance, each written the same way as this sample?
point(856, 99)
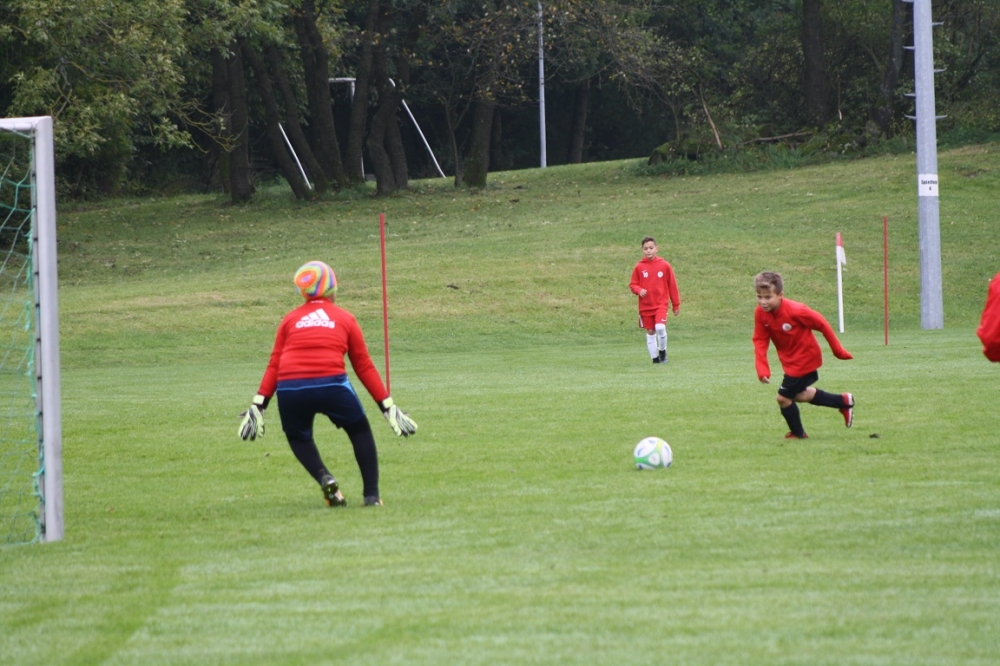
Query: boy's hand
point(642, 293)
point(399, 421)
point(252, 420)
point(843, 355)
point(677, 311)
point(764, 380)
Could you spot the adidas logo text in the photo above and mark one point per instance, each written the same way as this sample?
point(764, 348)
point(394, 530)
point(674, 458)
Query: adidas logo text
point(317, 318)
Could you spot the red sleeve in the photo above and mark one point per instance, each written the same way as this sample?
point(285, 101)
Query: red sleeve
point(761, 341)
point(675, 295)
point(634, 285)
point(818, 322)
point(362, 363)
point(989, 326)
point(269, 383)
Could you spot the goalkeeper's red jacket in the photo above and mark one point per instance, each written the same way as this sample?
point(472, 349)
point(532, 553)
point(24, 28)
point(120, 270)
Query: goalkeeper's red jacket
point(989, 326)
point(311, 342)
point(791, 328)
point(656, 276)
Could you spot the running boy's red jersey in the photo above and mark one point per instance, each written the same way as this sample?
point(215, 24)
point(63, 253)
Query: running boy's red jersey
point(791, 328)
point(989, 326)
point(311, 342)
point(657, 278)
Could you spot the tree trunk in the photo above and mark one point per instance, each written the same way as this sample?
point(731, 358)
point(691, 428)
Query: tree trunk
point(496, 135)
point(293, 123)
point(578, 131)
point(449, 120)
point(814, 71)
point(241, 188)
point(279, 148)
point(477, 163)
point(397, 154)
point(385, 117)
point(891, 73)
point(360, 102)
point(385, 179)
point(385, 145)
point(316, 69)
point(218, 152)
point(393, 139)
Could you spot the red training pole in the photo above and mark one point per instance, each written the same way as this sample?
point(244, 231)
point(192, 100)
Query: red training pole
point(885, 272)
point(385, 302)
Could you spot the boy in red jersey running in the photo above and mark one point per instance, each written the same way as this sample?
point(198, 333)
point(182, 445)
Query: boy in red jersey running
point(790, 326)
point(308, 374)
point(989, 325)
point(654, 283)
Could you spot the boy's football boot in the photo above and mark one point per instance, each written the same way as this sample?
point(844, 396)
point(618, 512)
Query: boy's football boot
point(331, 492)
point(848, 411)
point(792, 435)
point(663, 356)
point(373, 500)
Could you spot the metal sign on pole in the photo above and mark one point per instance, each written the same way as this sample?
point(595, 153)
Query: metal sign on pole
point(928, 211)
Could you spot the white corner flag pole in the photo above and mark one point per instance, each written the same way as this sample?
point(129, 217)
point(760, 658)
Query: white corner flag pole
point(841, 261)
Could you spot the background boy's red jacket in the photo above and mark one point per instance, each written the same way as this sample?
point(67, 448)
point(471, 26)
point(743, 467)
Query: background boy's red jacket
point(311, 342)
point(989, 327)
point(657, 277)
point(791, 328)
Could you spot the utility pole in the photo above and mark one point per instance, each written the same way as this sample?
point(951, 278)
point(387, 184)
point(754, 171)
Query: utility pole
point(928, 211)
point(541, 86)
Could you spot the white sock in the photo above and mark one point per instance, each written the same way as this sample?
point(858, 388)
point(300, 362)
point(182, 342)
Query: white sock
point(651, 345)
point(661, 337)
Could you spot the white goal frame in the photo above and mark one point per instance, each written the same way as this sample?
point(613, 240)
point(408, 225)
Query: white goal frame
point(48, 403)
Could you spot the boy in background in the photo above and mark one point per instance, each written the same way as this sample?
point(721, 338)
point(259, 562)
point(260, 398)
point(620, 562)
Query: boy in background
point(654, 283)
point(790, 326)
point(989, 325)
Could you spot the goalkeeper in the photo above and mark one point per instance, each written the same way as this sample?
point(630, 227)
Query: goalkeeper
point(308, 374)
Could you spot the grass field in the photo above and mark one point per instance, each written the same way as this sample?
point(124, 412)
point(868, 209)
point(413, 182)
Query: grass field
point(515, 529)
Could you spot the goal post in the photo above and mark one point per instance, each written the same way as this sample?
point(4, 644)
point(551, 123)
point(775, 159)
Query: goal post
point(29, 320)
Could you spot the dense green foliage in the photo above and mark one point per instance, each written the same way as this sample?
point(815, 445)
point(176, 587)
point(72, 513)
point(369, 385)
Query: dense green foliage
point(135, 86)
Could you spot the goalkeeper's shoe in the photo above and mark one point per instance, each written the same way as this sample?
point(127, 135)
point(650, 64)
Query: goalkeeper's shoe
point(373, 500)
point(792, 435)
point(331, 492)
point(848, 410)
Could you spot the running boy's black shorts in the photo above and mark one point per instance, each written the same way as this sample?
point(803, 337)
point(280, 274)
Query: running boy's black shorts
point(792, 386)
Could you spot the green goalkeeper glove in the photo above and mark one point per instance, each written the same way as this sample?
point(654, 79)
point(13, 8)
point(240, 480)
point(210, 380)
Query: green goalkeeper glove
point(252, 423)
point(399, 421)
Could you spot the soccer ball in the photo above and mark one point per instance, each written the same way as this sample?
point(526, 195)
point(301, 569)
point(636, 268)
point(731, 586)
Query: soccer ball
point(652, 453)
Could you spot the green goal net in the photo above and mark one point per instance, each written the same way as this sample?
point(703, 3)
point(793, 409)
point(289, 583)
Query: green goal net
point(30, 428)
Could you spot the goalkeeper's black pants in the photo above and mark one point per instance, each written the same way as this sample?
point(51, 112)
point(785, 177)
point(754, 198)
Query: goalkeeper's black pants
point(365, 453)
point(300, 401)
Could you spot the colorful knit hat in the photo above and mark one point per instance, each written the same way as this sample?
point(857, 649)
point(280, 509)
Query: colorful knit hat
point(316, 280)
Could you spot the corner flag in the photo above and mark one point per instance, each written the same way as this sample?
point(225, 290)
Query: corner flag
point(841, 261)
